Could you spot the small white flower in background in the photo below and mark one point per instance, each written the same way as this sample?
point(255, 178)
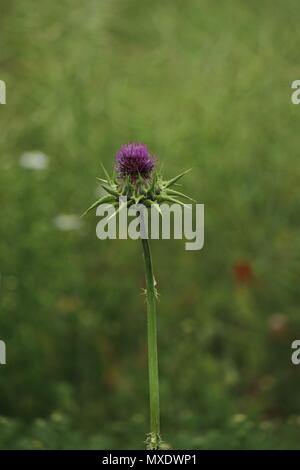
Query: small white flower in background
point(67, 222)
point(34, 161)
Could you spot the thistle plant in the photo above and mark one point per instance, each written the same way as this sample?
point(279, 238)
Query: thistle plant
point(137, 180)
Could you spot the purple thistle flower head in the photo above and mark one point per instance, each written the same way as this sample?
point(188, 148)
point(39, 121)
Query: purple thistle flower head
point(134, 159)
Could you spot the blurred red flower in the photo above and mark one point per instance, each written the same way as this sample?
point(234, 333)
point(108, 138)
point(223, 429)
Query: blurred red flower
point(243, 272)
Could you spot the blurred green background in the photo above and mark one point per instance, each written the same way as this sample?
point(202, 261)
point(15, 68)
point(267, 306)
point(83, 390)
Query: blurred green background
point(206, 85)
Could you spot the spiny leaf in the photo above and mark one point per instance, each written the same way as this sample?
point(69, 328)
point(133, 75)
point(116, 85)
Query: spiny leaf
point(137, 199)
point(101, 180)
point(102, 200)
point(154, 204)
point(108, 188)
point(106, 174)
point(165, 198)
point(173, 192)
point(140, 178)
point(176, 178)
point(154, 182)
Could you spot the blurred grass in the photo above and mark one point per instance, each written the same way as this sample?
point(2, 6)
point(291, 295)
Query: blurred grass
point(205, 85)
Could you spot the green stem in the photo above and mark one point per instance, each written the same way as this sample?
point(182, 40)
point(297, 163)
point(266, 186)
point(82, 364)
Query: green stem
point(153, 441)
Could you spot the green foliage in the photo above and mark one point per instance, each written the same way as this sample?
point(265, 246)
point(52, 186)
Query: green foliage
point(58, 432)
point(206, 85)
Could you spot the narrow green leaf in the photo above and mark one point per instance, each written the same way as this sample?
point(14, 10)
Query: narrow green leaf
point(108, 188)
point(101, 180)
point(165, 198)
point(173, 192)
point(176, 178)
point(102, 200)
point(153, 203)
point(106, 174)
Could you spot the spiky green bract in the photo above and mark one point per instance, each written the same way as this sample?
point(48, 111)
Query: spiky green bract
point(151, 191)
point(173, 192)
point(103, 200)
point(153, 441)
point(176, 178)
